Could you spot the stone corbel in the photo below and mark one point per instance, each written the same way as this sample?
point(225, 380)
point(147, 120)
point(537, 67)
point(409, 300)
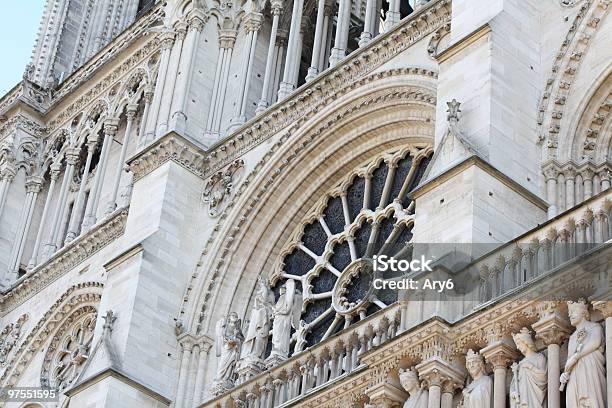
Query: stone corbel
point(552, 328)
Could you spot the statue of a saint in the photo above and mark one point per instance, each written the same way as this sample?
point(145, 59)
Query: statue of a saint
point(228, 342)
point(256, 338)
point(287, 312)
point(478, 393)
point(417, 396)
point(528, 387)
point(585, 373)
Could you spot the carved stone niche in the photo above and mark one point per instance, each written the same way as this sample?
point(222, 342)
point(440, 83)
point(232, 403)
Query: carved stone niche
point(221, 186)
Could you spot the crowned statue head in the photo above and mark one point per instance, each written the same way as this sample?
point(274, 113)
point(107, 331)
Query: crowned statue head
point(409, 380)
point(524, 342)
point(578, 312)
point(474, 364)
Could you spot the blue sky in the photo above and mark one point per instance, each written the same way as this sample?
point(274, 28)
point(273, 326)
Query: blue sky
point(18, 26)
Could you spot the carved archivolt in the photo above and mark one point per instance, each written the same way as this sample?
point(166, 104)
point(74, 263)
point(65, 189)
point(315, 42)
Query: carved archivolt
point(9, 336)
point(73, 306)
point(420, 99)
point(565, 67)
point(69, 349)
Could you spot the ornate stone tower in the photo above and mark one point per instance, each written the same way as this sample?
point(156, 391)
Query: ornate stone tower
point(71, 31)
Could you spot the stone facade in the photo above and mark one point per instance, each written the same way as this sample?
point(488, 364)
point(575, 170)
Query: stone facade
point(192, 192)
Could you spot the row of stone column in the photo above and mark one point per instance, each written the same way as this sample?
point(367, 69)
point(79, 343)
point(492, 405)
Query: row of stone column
point(192, 371)
point(56, 210)
point(167, 106)
point(321, 56)
point(569, 184)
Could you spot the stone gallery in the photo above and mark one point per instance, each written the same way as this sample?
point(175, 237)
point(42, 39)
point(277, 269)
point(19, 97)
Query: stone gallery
point(192, 194)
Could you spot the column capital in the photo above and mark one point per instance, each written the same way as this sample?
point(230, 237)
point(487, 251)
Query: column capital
point(148, 94)
point(196, 20)
point(253, 21)
point(8, 171)
point(111, 126)
point(604, 306)
point(181, 30)
point(227, 38)
point(435, 371)
point(500, 354)
point(33, 184)
point(166, 39)
point(55, 169)
point(130, 110)
point(277, 7)
point(552, 328)
point(72, 155)
point(385, 395)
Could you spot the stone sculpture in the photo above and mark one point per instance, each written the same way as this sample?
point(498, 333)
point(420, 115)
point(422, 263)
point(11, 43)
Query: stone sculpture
point(528, 387)
point(418, 396)
point(584, 373)
point(478, 393)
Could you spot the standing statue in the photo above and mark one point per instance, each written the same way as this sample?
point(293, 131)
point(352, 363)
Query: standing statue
point(287, 312)
point(228, 341)
point(256, 338)
point(528, 387)
point(584, 373)
point(417, 396)
point(478, 393)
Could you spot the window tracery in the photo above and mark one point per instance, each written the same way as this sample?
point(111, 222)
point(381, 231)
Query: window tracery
point(69, 350)
point(330, 254)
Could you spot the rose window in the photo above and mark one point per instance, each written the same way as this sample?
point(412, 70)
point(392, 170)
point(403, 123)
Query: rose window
point(330, 256)
point(68, 352)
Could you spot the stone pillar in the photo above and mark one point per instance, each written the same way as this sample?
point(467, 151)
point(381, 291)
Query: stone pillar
point(130, 114)
point(227, 39)
point(448, 391)
point(166, 39)
point(196, 25)
point(110, 130)
point(605, 307)
point(550, 174)
point(393, 15)
point(72, 156)
point(252, 25)
point(570, 176)
point(54, 174)
point(148, 98)
point(204, 346)
point(33, 185)
point(7, 175)
point(342, 30)
point(368, 26)
point(186, 345)
point(440, 375)
point(279, 57)
point(277, 9)
point(73, 224)
point(170, 81)
point(313, 71)
point(293, 58)
point(499, 354)
point(552, 329)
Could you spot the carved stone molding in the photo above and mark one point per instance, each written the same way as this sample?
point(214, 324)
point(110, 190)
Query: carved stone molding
point(565, 66)
point(64, 260)
point(9, 336)
point(171, 147)
point(79, 296)
point(221, 186)
point(407, 94)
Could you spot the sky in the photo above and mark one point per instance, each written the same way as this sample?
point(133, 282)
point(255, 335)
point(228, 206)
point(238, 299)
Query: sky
point(19, 22)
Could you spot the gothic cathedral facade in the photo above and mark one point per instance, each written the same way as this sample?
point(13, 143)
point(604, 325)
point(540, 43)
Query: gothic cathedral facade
point(193, 194)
